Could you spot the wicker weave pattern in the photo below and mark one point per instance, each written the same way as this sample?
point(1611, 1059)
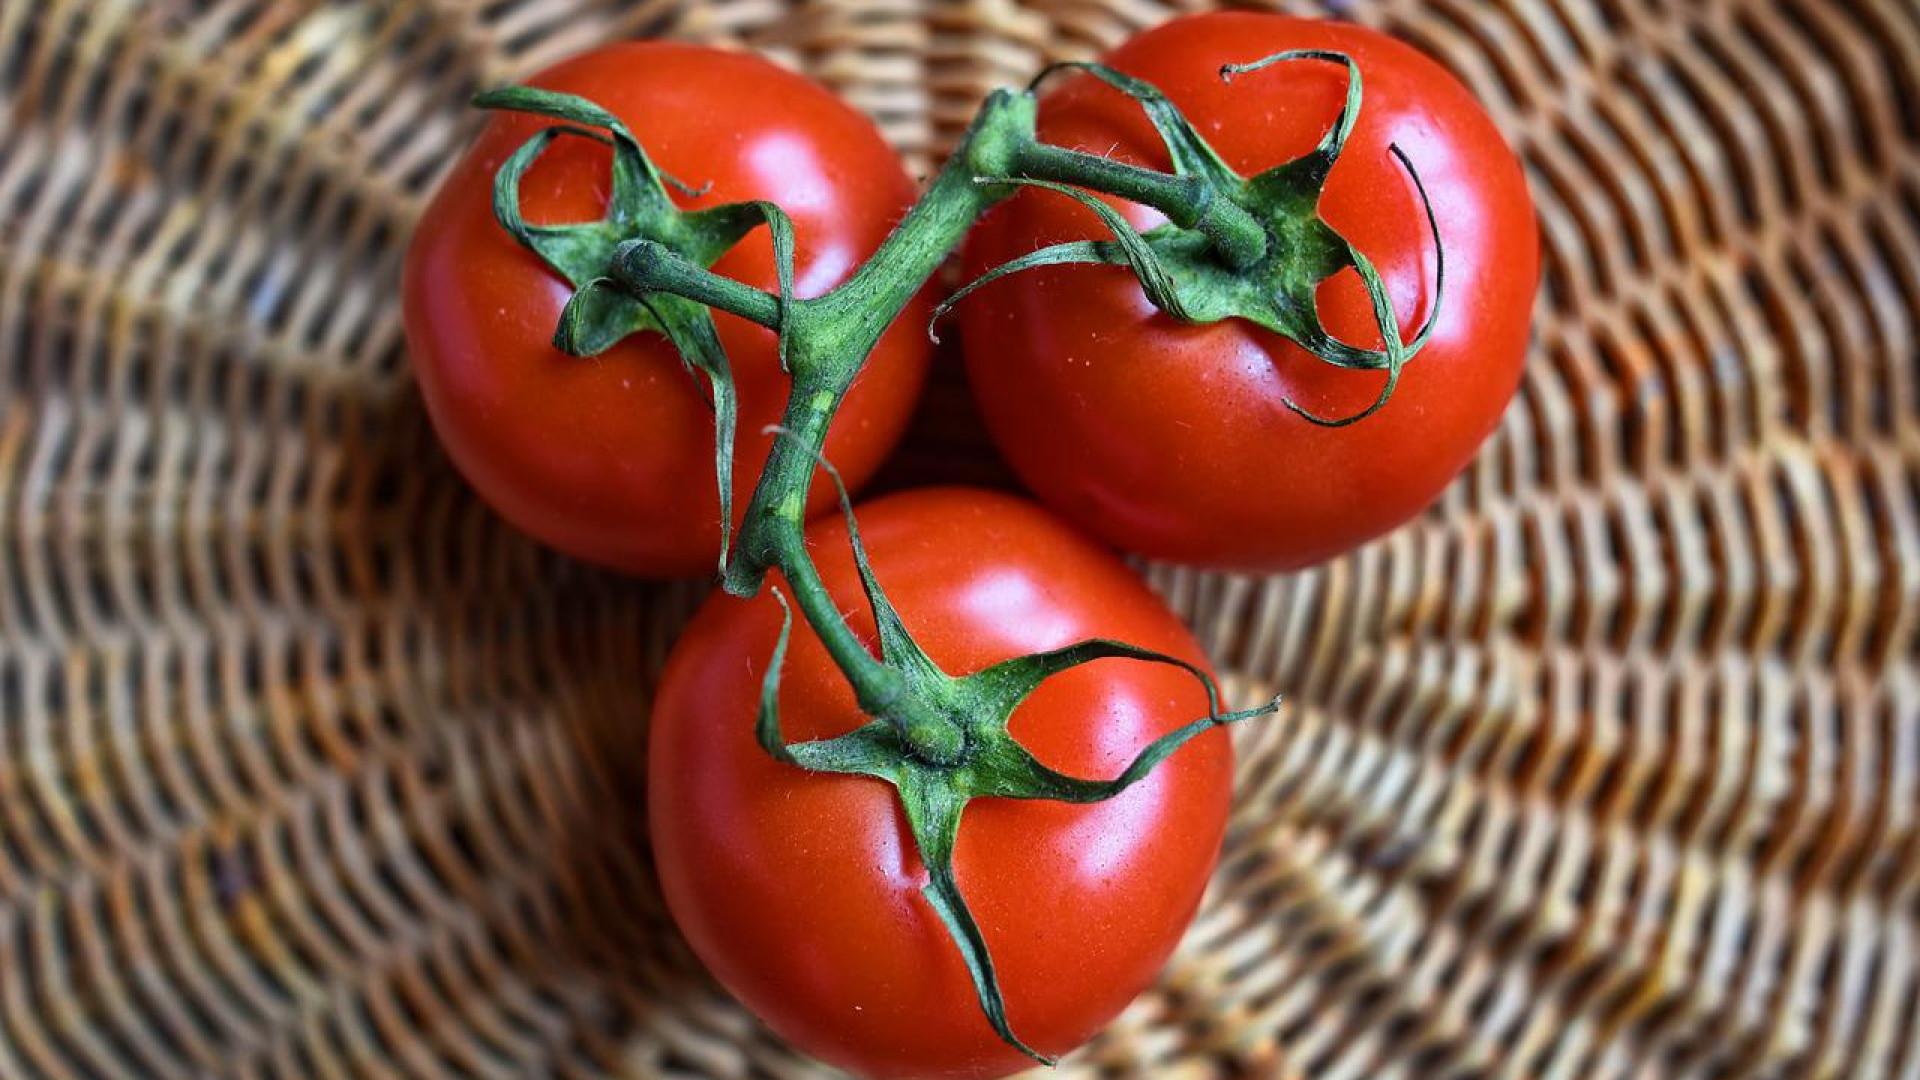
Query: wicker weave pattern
point(1609, 767)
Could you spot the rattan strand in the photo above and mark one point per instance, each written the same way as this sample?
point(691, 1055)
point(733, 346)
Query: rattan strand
point(1609, 767)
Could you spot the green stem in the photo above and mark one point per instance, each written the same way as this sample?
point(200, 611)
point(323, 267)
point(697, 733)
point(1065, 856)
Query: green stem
point(875, 685)
point(882, 692)
point(1188, 201)
point(647, 266)
point(849, 320)
point(880, 689)
point(830, 337)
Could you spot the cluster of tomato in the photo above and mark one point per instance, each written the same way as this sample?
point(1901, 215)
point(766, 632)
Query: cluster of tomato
point(1177, 441)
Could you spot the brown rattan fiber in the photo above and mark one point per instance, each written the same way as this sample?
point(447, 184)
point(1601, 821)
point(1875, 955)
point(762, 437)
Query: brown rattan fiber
point(1608, 768)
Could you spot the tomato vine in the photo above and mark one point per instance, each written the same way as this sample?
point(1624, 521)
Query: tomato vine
point(1253, 248)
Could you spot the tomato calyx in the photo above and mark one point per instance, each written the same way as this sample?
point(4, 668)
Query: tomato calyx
point(942, 741)
point(1253, 248)
point(640, 217)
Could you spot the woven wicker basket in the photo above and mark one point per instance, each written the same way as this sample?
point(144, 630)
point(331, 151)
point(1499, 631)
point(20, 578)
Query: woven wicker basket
point(309, 766)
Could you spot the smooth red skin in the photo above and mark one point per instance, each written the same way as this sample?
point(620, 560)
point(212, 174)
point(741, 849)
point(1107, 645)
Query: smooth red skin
point(610, 459)
point(1172, 440)
point(801, 891)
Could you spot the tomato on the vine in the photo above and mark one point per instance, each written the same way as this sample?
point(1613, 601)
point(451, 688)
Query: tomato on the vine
point(1174, 440)
point(800, 891)
point(611, 458)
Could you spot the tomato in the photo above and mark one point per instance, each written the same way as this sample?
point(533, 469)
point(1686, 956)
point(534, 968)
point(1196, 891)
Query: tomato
point(800, 890)
point(611, 458)
point(1174, 440)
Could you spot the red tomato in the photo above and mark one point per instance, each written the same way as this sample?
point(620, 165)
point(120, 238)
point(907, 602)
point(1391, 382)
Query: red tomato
point(800, 891)
point(1173, 440)
point(611, 458)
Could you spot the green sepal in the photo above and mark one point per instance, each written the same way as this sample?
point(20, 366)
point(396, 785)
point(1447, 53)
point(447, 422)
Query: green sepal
point(766, 726)
point(1184, 275)
point(570, 249)
point(637, 190)
point(933, 814)
point(931, 800)
point(601, 312)
point(1009, 682)
point(689, 327)
point(1139, 255)
point(1324, 253)
point(897, 647)
point(638, 207)
point(597, 316)
point(1008, 770)
point(1308, 172)
point(689, 190)
point(1070, 253)
point(1191, 155)
point(1314, 251)
point(872, 750)
point(934, 797)
point(715, 230)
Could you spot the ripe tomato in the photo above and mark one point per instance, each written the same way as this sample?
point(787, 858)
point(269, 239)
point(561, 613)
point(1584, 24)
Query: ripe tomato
point(611, 458)
point(1173, 440)
point(800, 891)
